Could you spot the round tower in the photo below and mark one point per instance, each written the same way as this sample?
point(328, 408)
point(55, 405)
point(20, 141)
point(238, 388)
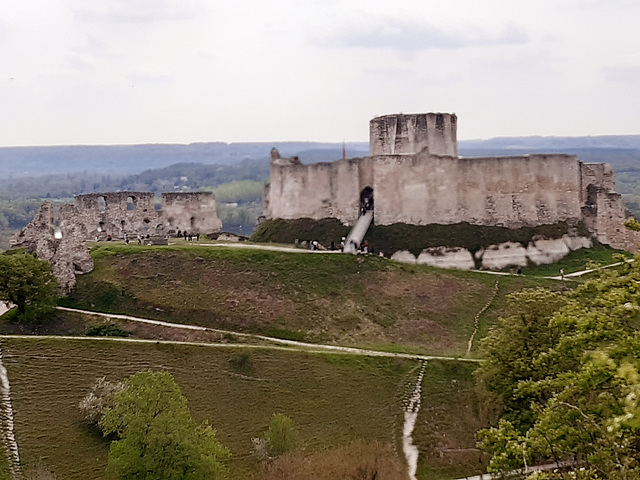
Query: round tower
point(409, 134)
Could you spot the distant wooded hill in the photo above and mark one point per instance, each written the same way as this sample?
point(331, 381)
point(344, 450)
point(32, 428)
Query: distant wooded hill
point(130, 159)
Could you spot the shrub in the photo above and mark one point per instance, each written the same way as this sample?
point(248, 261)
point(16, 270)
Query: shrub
point(282, 436)
point(110, 330)
point(242, 362)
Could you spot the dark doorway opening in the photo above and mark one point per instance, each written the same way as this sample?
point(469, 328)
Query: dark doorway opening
point(366, 200)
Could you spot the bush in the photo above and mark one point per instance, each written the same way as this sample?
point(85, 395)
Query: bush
point(282, 436)
point(110, 330)
point(242, 362)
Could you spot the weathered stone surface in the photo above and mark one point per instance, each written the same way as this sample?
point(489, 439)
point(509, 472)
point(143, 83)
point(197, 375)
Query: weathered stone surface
point(497, 257)
point(403, 256)
point(542, 252)
point(417, 178)
point(447, 257)
point(575, 243)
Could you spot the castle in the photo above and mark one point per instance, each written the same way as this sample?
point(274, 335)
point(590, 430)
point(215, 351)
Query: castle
point(415, 176)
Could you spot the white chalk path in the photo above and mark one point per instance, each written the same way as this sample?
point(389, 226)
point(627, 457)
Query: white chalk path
point(281, 341)
point(476, 320)
point(589, 270)
point(410, 417)
point(6, 419)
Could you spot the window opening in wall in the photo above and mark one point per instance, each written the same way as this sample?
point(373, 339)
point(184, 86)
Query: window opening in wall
point(145, 224)
point(192, 222)
point(101, 227)
point(122, 224)
point(57, 233)
point(102, 204)
point(131, 206)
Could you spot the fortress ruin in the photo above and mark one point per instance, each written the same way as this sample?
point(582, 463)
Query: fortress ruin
point(415, 176)
point(59, 234)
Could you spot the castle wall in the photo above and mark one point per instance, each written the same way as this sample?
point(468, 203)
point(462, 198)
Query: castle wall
point(318, 190)
point(417, 178)
point(505, 191)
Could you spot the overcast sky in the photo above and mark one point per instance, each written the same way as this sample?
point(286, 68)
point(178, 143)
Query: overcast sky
point(182, 71)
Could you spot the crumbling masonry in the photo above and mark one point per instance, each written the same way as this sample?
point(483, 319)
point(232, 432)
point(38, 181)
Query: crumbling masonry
point(59, 235)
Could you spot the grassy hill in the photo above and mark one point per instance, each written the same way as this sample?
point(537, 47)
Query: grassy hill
point(350, 300)
point(334, 399)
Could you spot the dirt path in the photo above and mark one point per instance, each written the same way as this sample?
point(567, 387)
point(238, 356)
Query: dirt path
point(6, 419)
point(279, 341)
point(476, 320)
point(273, 248)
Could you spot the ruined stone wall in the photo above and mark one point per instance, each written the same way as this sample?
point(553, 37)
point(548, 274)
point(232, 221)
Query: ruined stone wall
point(114, 214)
point(597, 174)
point(133, 213)
point(191, 211)
point(506, 191)
point(60, 236)
point(410, 134)
point(318, 190)
point(605, 214)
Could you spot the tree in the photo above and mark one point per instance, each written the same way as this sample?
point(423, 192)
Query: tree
point(156, 436)
point(580, 396)
point(28, 283)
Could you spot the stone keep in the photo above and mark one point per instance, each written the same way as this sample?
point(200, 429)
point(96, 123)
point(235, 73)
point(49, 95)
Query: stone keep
point(416, 177)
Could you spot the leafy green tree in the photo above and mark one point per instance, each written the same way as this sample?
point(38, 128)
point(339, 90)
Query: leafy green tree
point(512, 345)
point(580, 390)
point(28, 283)
point(156, 436)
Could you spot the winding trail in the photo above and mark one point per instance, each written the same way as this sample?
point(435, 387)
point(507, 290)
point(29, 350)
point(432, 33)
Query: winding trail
point(6, 419)
point(410, 417)
point(279, 341)
point(476, 320)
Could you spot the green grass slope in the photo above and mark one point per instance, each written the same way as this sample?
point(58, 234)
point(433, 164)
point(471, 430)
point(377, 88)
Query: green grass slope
point(351, 300)
point(334, 399)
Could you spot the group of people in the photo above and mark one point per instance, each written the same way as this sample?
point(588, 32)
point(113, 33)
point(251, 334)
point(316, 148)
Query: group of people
point(188, 236)
point(363, 247)
point(127, 239)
